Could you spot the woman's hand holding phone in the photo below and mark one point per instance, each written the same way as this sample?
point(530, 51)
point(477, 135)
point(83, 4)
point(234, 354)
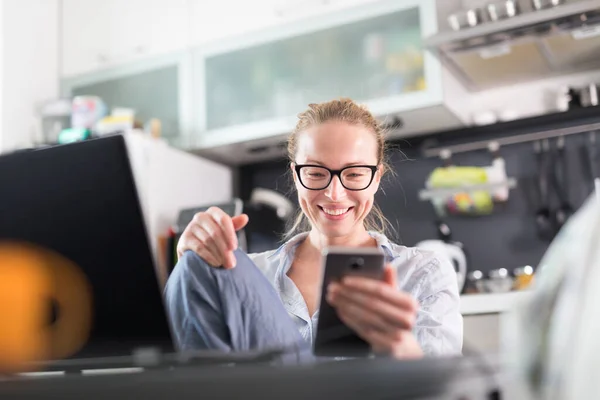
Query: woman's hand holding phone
point(378, 312)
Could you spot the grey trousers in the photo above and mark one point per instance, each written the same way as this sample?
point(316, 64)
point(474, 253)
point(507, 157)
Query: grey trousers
point(235, 310)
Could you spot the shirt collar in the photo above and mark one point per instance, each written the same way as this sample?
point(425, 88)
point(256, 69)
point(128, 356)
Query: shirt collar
point(290, 246)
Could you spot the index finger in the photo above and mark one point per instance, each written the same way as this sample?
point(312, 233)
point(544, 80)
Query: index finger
point(224, 221)
point(381, 290)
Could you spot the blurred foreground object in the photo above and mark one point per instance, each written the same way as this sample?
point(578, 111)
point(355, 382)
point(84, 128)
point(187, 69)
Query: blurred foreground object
point(31, 280)
point(552, 339)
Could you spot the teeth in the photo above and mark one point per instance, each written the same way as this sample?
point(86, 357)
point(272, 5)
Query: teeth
point(335, 212)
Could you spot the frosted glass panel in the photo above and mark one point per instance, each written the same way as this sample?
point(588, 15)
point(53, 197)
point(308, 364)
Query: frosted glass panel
point(153, 94)
point(371, 59)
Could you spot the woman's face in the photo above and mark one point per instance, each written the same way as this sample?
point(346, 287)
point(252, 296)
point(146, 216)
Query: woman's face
point(336, 211)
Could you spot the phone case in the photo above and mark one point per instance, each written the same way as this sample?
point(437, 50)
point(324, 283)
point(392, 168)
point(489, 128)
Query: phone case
point(333, 338)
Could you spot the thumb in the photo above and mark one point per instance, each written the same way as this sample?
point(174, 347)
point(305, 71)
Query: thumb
point(390, 276)
point(239, 221)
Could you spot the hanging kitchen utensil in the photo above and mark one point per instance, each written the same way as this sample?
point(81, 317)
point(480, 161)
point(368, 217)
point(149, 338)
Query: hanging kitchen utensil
point(543, 216)
point(589, 160)
point(559, 181)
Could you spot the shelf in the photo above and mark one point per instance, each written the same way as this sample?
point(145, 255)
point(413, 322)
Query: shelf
point(530, 46)
point(529, 19)
point(437, 193)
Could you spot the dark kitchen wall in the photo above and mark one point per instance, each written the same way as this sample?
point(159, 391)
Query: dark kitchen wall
point(508, 237)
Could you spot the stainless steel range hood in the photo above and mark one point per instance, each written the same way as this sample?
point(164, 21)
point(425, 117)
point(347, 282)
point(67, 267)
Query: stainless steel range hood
point(530, 46)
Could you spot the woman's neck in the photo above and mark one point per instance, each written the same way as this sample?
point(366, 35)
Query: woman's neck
point(315, 241)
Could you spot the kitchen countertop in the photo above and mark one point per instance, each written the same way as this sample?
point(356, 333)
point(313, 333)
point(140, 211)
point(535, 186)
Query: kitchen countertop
point(490, 303)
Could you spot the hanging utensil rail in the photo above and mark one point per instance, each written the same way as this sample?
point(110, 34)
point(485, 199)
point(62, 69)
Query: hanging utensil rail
point(528, 137)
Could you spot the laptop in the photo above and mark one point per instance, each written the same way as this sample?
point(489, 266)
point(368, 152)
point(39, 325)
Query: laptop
point(80, 200)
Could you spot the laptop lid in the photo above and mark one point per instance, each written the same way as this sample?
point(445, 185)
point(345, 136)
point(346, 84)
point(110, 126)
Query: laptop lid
point(80, 200)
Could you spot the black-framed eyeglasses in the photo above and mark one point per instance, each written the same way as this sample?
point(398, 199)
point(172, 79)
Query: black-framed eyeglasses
point(317, 177)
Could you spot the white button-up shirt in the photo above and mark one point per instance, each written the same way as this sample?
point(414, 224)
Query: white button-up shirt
point(429, 279)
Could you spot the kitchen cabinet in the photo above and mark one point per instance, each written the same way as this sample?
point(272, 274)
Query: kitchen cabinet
point(102, 34)
point(157, 87)
point(487, 319)
point(231, 18)
point(251, 88)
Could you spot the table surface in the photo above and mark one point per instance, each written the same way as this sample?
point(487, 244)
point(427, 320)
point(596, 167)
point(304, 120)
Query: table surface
point(352, 379)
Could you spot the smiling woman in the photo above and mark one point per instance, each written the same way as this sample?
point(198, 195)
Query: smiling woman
point(271, 299)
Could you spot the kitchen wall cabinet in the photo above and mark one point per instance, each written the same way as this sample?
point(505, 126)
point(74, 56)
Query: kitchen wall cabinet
point(155, 87)
point(101, 34)
point(231, 18)
point(252, 69)
point(250, 88)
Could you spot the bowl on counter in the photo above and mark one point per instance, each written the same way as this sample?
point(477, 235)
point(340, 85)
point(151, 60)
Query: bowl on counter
point(496, 281)
point(499, 281)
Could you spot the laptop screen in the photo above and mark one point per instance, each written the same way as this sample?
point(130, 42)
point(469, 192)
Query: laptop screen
point(80, 201)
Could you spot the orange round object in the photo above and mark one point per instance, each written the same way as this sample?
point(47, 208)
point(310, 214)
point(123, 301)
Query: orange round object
point(31, 278)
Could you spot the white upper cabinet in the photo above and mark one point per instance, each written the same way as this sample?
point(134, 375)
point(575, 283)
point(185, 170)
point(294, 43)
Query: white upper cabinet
point(211, 21)
point(102, 34)
point(251, 87)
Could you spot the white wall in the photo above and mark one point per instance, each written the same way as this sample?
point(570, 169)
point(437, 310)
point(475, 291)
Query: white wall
point(29, 66)
point(1, 71)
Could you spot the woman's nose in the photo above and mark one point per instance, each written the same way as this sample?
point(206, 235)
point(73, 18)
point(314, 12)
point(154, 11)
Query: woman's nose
point(335, 191)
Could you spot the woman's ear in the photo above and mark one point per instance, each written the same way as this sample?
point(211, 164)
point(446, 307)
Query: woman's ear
point(380, 172)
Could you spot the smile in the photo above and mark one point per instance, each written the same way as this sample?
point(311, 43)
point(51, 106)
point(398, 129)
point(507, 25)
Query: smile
point(335, 213)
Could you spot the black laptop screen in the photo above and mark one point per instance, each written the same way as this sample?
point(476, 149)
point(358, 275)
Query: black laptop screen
point(80, 200)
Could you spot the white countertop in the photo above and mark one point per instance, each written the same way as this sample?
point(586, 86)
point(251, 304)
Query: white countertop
point(490, 303)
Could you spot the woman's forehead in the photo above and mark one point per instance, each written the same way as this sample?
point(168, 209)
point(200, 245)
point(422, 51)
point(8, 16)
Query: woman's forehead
point(337, 143)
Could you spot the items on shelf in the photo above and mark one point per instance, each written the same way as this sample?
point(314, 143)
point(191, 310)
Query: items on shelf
point(468, 190)
point(495, 11)
point(499, 280)
point(85, 117)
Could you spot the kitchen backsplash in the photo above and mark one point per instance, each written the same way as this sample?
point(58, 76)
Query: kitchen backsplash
point(505, 239)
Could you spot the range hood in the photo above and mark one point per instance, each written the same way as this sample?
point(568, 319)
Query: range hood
point(533, 45)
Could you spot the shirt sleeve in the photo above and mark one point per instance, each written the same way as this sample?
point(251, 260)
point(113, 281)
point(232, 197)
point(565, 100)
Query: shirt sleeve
point(439, 324)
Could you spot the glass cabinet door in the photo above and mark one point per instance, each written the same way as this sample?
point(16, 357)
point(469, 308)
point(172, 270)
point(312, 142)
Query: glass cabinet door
point(371, 58)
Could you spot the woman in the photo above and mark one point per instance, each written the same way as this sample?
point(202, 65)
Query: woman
point(271, 299)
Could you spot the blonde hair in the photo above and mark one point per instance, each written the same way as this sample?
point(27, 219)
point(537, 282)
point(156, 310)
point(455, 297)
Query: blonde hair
point(344, 110)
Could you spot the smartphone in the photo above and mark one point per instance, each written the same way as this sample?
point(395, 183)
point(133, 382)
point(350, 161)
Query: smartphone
point(333, 338)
